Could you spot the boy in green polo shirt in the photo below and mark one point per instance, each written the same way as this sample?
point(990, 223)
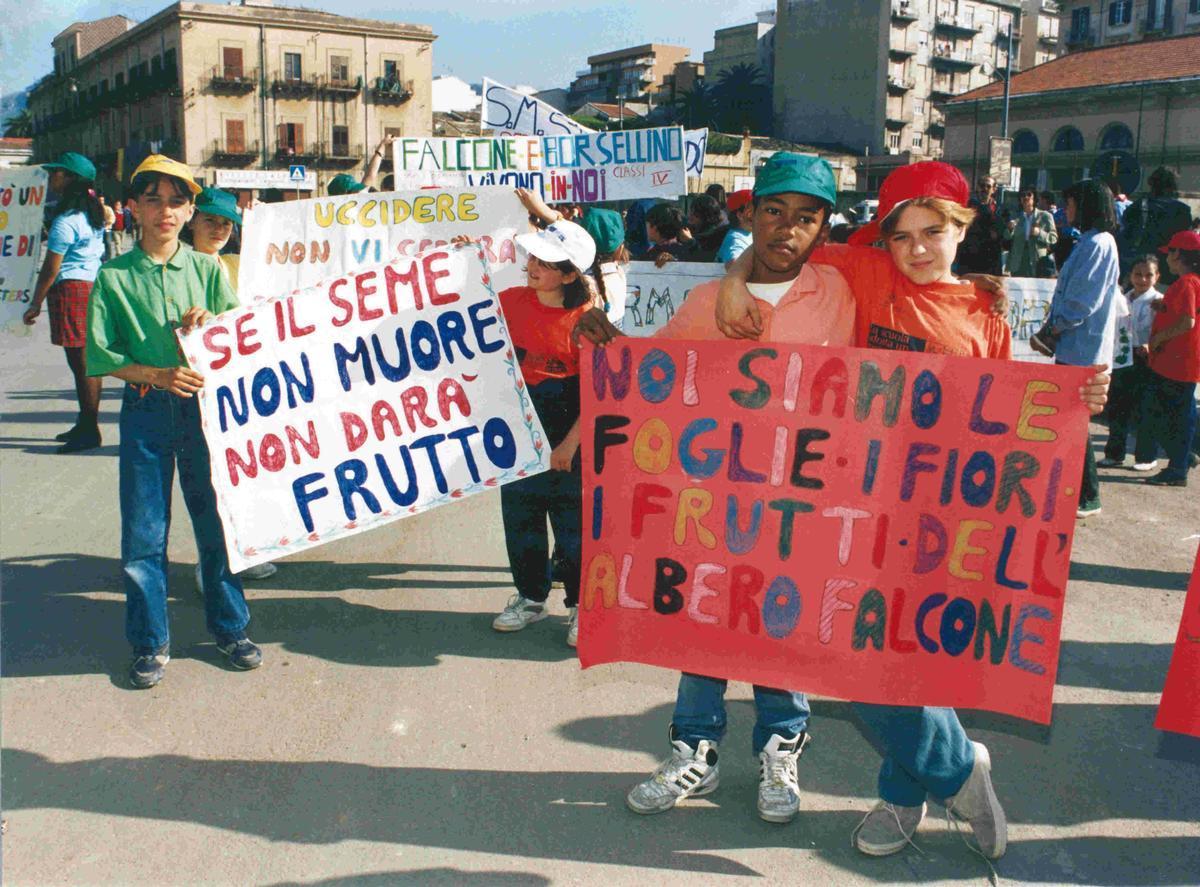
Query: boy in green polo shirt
point(139, 300)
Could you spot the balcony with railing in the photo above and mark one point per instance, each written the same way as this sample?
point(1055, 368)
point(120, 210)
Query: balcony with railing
point(937, 121)
point(287, 154)
point(957, 25)
point(900, 48)
point(941, 90)
point(233, 152)
point(336, 153)
point(896, 119)
point(291, 86)
point(899, 85)
point(1050, 38)
point(344, 87)
point(391, 91)
point(949, 60)
point(232, 79)
point(904, 12)
point(1051, 7)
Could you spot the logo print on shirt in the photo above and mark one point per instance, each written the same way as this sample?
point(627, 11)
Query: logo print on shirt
point(893, 340)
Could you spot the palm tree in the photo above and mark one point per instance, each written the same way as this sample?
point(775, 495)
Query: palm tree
point(19, 126)
point(695, 109)
point(743, 100)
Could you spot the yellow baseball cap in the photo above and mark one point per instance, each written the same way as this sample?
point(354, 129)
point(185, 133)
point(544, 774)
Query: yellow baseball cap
point(160, 163)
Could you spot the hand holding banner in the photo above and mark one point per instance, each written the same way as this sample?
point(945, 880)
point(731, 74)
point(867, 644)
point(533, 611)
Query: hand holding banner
point(880, 526)
point(360, 401)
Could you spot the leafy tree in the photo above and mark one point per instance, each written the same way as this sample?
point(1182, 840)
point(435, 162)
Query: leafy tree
point(19, 126)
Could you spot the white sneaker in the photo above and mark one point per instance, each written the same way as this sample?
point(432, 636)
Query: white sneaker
point(778, 788)
point(519, 612)
point(573, 628)
point(261, 571)
point(1145, 466)
point(689, 772)
point(976, 803)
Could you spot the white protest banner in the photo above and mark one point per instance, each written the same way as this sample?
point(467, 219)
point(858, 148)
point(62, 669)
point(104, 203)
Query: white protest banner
point(652, 294)
point(238, 179)
point(695, 144)
point(581, 168)
point(359, 401)
point(508, 112)
point(293, 245)
point(1028, 308)
point(22, 206)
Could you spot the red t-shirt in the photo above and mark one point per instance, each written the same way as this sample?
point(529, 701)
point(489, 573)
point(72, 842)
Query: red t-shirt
point(899, 315)
point(1179, 359)
point(541, 335)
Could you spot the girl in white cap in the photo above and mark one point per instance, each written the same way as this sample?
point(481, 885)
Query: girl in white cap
point(540, 319)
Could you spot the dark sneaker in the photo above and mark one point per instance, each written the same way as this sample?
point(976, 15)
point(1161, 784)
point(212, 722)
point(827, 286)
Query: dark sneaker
point(84, 440)
point(148, 669)
point(1110, 462)
point(1168, 478)
point(64, 436)
point(242, 654)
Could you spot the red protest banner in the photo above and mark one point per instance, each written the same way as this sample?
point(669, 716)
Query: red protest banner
point(874, 525)
point(1179, 710)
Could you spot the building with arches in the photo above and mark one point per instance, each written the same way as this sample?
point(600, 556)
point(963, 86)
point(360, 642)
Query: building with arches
point(1142, 99)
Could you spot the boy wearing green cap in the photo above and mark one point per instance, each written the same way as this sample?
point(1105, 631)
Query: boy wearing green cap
point(140, 300)
point(804, 304)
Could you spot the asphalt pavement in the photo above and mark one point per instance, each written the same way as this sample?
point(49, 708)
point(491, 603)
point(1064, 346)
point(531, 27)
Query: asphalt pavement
point(393, 738)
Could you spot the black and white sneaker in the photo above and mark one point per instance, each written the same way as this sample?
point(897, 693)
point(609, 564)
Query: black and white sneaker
point(689, 772)
point(242, 653)
point(148, 669)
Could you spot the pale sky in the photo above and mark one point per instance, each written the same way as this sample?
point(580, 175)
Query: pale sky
point(535, 42)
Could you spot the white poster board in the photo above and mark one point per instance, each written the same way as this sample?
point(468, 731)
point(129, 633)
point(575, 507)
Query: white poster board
point(507, 112)
point(581, 168)
point(293, 245)
point(359, 401)
point(1028, 308)
point(260, 179)
point(22, 208)
point(652, 294)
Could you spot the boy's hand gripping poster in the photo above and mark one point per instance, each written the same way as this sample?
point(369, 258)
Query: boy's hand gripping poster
point(871, 525)
point(359, 401)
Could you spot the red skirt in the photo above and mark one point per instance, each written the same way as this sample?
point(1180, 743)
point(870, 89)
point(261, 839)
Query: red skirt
point(68, 301)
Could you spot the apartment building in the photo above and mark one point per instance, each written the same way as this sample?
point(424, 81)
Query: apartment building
point(749, 44)
point(875, 74)
point(636, 73)
point(234, 87)
point(1088, 23)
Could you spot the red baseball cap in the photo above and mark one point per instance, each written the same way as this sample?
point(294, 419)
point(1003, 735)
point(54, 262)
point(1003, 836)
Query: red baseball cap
point(929, 178)
point(739, 199)
point(1186, 240)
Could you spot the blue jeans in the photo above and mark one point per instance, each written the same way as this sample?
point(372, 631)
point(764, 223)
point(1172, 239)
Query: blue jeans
point(1170, 410)
point(926, 752)
point(700, 712)
point(524, 506)
point(158, 431)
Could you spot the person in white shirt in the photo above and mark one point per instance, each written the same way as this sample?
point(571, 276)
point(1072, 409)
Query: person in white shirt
point(1135, 316)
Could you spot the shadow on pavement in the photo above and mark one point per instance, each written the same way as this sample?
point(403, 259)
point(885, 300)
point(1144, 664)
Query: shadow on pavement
point(55, 625)
point(563, 815)
point(427, 876)
point(1134, 577)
